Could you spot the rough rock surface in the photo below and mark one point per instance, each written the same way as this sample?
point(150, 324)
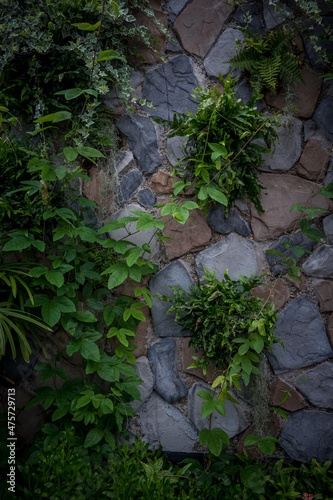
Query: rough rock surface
point(175, 7)
point(324, 292)
point(140, 237)
point(236, 254)
point(142, 140)
point(217, 60)
point(125, 159)
point(128, 185)
point(318, 388)
point(322, 42)
point(143, 370)
point(277, 390)
point(172, 275)
point(162, 357)
point(232, 224)
point(298, 239)
point(187, 360)
point(234, 422)
point(250, 9)
point(330, 329)
point(282, 192)
point(273, 18)
point(244, 93)
point(323, 117)
point(162, 423)
point(302, 331)
point(199, 24)
point(308, 434)
point(329, 176)
point(287, 150)
point(274, 424)
point(312, 164)
point(192, 236)
point(169, 88)
point(146, 197)
point(277, 292)
point(319, 264)
point(163, 182)
point(307, 95)
point(174, 149)
point(95, 190)
point(328, 228)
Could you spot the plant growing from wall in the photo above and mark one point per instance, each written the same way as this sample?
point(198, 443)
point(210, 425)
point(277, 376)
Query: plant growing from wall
point(271, 60)
point(220, 151)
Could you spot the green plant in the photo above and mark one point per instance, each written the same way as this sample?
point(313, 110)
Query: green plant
point(220, 151)
point(270, 59)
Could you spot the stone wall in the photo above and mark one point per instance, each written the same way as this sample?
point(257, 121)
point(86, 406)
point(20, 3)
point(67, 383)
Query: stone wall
point(202, 41)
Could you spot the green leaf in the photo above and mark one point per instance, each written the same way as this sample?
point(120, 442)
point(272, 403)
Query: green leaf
point(90, 350)
point(203, 193)
point(65, 304)
point(51, 312)
point(55, 278)
point(250, 440)
point(190, 205)
point(93, 437)
point(59, 413)
point(87, 26)
point(107, 55)
point(118, 276)
point(217, 195)
point(274, 252)
point(205, 395)
point(54, 117)
point(70, 153)
point(207, 408)
point(134, 254)
point(17, 243)
point(214, 439)
point(89, 152)
point(267, 445)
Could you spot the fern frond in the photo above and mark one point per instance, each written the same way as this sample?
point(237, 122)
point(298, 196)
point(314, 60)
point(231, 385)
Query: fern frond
point(269, 70)
point(289, 70)
point(246, 60)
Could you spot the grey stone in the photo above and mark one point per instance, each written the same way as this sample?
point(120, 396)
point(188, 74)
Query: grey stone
point(136, 79)
point(273, 18)
point(128, 185)
point(298, 239)
point(309, 129)
point(234, 253)
point(175, 7)
point(137, 237)
point(320, 263)
point(244, 93)
point(217, 59)
point(174, 149)
point(87, 212)
point(329, 176)
point(169, 88)
point(328, 228)
point(142, 140)
point(287, 151)
point(323, 117)
point(172, 275)
point(163, 424)
point(125, 159)
point(308, 434)
point(173, 45)
point(162, 357)
point(232, 224)
point(242, 205)
point(112, 99)
point(234, 422)
point(318, 386)
point(322, 42)
point(302, 331)
point(146, 197)
point(249, 9)
point(143, 370)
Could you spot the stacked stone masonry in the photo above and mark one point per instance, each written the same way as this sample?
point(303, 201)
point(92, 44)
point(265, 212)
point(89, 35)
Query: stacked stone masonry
point(203, 37)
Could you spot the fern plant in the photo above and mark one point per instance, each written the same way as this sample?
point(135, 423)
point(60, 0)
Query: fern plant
point(269, 59)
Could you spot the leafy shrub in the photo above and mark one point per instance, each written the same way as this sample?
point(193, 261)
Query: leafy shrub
point(270, 60)
point(220, 150)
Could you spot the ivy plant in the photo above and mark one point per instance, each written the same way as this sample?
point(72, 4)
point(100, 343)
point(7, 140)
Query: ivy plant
point(221, 152)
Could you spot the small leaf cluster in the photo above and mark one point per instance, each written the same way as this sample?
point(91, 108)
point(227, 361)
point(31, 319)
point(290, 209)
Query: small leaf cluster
point(220, 151)
point(270, 60)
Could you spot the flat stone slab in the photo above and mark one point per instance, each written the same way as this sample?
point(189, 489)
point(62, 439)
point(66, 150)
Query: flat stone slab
point(312, 164)
point(169, 88)
point(232, 224)
point(244, 93)
point(273, 18)
point(128, 185)
point(320, 263)
point(276, 292)
point(174, 149)
point(137, 237)
point(308, 434)
point(303, 333)
point(199, 24)
point(217, 60)
point(323, 117)
point(250, 9)
point(324, 293)
point(234, 422)
point(277, 390)
point(146, 197)
point(282, 191)
point(175, 7)
point(234, 253)
point(142, 140)
point(297, 239)
point(328, 228)
point(287, 150)
point(192, 236)
point(318, 388)
point(143, 370)
point(172, 275)
point(162, 357)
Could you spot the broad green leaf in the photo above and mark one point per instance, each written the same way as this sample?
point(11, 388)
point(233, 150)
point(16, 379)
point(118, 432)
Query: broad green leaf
point(205, 395)
point(118, 276)
point(17, 243)
point(250, 440)
point(89, 152)
point(51, 312)
point(83, 401)
point(214, 439)
point(87, 26)
point(59, 413)
point(217, 195)
point(274, 252)
point(55, 278)
point(70, 153)
point(93, 437)
point(59, 116)
point(60, 172)
point(107, 55)
point(109, 314)
point(190, 205)
point(73, 93)
point(65, 304)
point(134, 254)
point(267, 445)
point(90, 350)
point(203, 193)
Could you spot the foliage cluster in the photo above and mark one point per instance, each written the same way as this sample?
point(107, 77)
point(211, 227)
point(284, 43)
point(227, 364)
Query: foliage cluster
point(271, 60)
point(62, 470)
point(220, 150)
